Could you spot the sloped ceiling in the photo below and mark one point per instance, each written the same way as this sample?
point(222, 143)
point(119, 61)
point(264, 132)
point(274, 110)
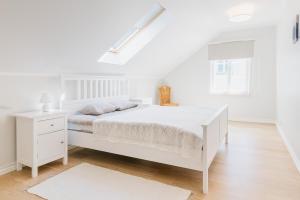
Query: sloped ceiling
point(68, 36)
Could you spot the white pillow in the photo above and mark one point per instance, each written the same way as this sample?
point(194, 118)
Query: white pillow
point(91, 109)
point(123, 104)
point(107, 107)
point(98, 108)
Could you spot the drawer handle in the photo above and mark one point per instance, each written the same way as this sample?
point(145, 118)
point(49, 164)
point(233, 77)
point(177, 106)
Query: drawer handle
point(51, 124)
point(62, 142)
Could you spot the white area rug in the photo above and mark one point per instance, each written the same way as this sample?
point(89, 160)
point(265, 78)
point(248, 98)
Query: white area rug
point(89, 182)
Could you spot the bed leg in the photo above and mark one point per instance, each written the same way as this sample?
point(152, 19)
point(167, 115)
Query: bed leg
point(204, 162)
point(205, 181)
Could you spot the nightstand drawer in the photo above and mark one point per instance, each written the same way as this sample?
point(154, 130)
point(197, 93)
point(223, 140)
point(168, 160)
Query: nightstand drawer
point(50, 125)
point(50, 146)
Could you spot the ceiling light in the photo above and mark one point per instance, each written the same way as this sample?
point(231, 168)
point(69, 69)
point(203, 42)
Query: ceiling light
point(240, 13)
point(240, 18)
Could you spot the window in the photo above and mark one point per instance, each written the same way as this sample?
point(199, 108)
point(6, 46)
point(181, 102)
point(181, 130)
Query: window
point(230, 76)
point(137, 37)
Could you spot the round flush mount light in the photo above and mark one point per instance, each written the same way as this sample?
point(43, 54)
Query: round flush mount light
point(240, 18)
point(240, 13)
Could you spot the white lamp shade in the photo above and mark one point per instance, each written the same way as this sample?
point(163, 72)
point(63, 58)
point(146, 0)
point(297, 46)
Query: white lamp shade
point(46, 98)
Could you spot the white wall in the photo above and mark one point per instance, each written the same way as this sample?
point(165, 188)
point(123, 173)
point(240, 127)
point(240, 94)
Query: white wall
point(288, 92)
point(145, 87)
point(191, 80)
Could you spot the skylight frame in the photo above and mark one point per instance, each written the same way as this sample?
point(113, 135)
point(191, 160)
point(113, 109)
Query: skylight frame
point(154, 13)
point(137, 37)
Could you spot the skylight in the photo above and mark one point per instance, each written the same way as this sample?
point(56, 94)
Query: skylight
point(137, 37)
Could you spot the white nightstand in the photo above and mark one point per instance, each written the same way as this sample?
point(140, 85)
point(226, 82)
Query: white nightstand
point(41, 138)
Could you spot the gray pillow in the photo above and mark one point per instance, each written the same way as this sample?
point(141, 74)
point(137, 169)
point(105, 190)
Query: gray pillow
point(98, 108)
point(123, 104)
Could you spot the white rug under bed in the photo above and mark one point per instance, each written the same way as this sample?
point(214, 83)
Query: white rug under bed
point(89, 182)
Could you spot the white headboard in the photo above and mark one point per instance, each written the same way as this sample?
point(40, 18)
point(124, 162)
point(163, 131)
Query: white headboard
point(84, 89)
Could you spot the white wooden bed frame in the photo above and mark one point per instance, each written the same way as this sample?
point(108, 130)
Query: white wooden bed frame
point(93, 88)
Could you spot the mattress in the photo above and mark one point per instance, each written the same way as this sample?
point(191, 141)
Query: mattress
point(84, 123)
point(172, 129)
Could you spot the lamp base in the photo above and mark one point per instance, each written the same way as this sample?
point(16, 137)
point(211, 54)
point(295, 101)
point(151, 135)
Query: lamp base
point(46, 107)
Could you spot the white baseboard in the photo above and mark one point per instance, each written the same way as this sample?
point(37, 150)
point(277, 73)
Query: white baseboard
point(7, 168)
point(70, 147)
point(261, 121)
point(4, 169)
point(289, 147)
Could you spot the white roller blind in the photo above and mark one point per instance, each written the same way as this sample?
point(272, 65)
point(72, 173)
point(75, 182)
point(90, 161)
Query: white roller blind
point(231, 50)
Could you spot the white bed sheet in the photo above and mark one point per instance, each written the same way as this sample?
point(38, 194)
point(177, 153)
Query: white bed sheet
point(173, 129)
point(82, 127)
point(84, 123)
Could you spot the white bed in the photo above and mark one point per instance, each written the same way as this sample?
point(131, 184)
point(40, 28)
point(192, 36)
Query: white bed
point(187, 137)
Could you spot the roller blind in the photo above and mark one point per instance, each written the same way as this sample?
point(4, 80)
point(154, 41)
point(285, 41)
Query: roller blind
point(231, 50)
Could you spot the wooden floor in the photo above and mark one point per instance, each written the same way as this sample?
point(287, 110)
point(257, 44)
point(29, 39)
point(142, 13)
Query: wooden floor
point(255, 165)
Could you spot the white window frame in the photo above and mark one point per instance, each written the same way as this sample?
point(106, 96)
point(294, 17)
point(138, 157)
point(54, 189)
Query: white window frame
point(228, 92)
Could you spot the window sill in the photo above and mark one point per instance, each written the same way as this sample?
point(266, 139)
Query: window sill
point(230, 94)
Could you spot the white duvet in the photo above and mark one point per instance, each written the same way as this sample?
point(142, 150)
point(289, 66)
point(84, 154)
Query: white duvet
point(174, 129)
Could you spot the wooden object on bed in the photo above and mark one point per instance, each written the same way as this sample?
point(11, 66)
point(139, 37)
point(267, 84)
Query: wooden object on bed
point(165, 96)
point(215, 131)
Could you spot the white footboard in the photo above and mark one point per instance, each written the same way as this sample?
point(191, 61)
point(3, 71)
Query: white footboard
point(215, 131)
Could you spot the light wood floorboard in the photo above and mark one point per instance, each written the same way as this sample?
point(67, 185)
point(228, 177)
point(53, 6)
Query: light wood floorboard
point(254, 165)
